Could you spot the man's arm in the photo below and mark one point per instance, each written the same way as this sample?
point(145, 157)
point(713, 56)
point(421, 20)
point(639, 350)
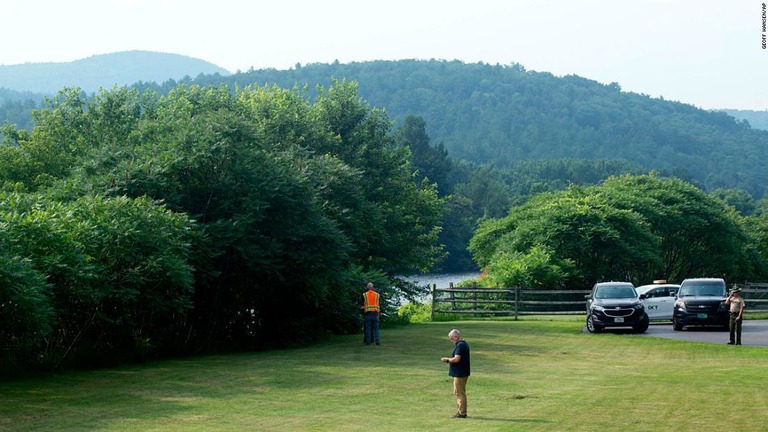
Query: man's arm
point(454, 359)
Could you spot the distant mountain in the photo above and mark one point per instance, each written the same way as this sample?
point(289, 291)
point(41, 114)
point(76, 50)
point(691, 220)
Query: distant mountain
point(756, 119)
point(504, 115)
point(104, 71)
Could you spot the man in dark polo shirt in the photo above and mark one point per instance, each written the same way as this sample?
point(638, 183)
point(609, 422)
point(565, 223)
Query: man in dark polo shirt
point(459, 370)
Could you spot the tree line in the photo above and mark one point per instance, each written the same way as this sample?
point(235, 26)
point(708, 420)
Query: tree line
point(504, 115)
point(496, 134)
point(136, 225)
point(633, 228)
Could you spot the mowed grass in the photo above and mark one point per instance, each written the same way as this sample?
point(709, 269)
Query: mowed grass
point(526, 376)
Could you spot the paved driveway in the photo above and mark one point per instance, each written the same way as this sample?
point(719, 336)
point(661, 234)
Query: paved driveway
point(753, 332)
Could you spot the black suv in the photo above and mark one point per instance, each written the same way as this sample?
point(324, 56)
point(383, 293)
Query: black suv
point(615, 304)
point(700, 302)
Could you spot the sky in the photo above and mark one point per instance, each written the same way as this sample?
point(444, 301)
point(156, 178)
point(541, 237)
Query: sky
point(707, 53)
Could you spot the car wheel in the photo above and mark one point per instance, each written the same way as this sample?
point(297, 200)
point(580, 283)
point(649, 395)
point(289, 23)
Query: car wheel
point(591, 326)
point(676, 325)
point(643, 326)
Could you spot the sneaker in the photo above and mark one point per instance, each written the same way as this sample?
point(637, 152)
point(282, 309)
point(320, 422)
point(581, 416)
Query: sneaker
point(730, 343)
point(458, 415)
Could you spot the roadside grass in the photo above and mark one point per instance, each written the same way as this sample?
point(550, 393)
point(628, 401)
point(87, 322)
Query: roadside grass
point(527, 375)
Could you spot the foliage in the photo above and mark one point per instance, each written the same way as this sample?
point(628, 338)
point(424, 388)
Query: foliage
point(431, 163)
point(504, 114)
point(415, 312)
point(634, 228)
point(511, 133)
point(756, 119)
point(535, 268)
point(208, 219)
point(104, 278)
point(740, 200)
point(179, 218)
point(26, 313)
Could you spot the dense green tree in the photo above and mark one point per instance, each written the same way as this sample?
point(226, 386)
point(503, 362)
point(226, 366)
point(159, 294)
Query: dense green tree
point(117, 278)
point(292, 203)
point(633, 228)
point(26, 313)
point(739, 199)
point(431, 163)
point(400, 219)
point(484, 185)
point(536, 268)
point(459, 224)
point(698, 234)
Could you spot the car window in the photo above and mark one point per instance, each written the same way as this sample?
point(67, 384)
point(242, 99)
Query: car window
point(703, 290)
point(625, 292)
point(711, 290)
point(614, 292)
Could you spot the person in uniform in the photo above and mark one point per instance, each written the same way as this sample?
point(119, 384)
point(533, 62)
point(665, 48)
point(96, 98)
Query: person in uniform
point(736, 308)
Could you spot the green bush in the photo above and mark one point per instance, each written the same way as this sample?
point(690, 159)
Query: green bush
point(415, 312)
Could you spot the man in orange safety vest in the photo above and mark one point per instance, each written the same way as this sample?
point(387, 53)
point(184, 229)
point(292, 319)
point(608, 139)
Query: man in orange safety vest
point(371, 311)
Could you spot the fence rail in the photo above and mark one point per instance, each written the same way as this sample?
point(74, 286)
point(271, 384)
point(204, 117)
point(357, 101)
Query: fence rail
point(755, 296)
point(508, 301)
point(528, 301)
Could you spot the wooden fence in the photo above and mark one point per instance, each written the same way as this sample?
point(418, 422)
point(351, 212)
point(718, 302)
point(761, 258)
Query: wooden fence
point(527, 301)
point(755, 296)
point(508, 301)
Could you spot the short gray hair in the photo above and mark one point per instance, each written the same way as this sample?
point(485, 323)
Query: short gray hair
point(454, 332)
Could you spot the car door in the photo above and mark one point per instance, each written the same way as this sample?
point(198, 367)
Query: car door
point(652, 303)
point(658, 303)
point(662, 303)
point(666, 302)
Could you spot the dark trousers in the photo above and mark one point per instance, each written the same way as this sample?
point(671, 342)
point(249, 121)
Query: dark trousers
point(371, 328)
point(734, 328)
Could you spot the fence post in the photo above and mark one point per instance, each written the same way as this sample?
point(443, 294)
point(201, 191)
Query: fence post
point(517, 301)
point(474, 296)
point(434, 293)
point(453, 297)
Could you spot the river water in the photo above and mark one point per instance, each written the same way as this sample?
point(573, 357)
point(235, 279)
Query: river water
point(442, 280)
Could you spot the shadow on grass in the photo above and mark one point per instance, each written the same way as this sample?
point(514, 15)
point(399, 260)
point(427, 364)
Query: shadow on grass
point(506, 420)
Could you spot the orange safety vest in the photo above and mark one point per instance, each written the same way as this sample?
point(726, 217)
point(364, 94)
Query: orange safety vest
point(371, 302)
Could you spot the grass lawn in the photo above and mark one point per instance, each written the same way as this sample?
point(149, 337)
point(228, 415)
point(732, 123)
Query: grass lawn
point(528, 375)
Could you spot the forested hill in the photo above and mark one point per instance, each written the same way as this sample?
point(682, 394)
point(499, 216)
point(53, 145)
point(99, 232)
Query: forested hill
point(103, 71)
point(506, 114)
point(756, 119)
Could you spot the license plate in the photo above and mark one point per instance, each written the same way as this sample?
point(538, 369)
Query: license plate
point(702, 316)
point(618, 320)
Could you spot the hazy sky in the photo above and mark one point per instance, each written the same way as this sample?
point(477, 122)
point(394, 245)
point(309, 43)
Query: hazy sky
point(704, 52)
